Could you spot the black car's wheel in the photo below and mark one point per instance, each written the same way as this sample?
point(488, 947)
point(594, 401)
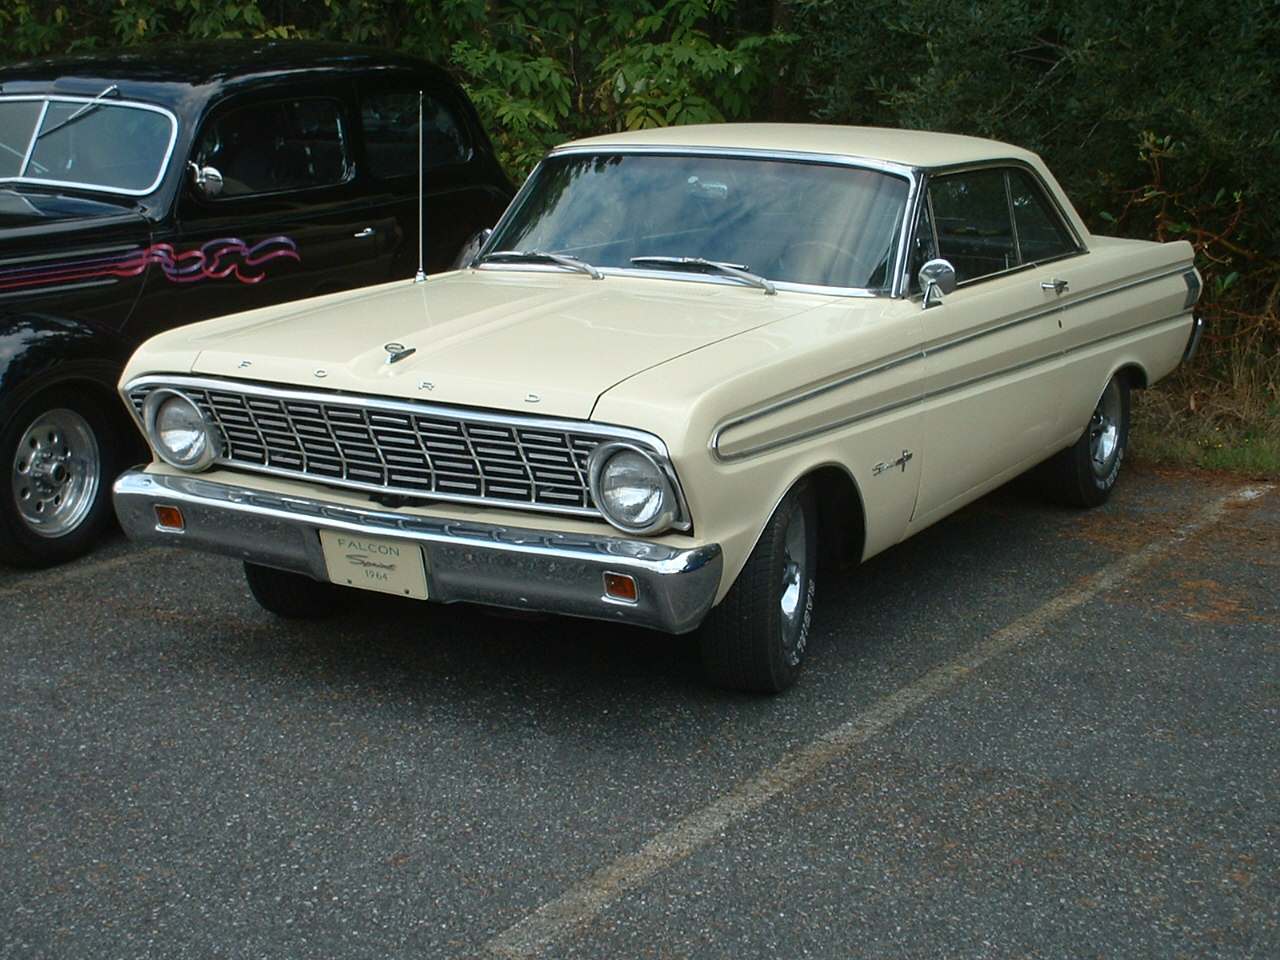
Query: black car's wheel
point(755, 639)
point(59, 454)
point(293, 595)
point(1085, 473)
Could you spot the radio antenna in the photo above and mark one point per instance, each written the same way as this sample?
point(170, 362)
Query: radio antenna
point(422, 245)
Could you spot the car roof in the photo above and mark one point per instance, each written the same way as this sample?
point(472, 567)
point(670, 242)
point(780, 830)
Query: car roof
point(148, 68)
point(912, 148)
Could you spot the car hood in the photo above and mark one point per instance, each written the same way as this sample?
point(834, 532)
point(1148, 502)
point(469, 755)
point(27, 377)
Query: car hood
point(545, 343)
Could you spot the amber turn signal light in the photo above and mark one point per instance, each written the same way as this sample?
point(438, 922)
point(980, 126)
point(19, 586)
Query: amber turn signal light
point(169, 518)
point(619, 586)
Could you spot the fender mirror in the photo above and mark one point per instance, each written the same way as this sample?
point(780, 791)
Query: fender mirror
point(937, 279)
point(207, 181)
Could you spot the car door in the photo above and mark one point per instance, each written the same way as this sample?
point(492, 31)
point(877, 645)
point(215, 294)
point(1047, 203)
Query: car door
point(993, 347)
point(281, 215)
point(422, 152)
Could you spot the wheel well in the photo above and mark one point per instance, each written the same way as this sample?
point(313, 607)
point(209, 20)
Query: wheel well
point(1135, 375)
point(840, 519)
point(132, 447)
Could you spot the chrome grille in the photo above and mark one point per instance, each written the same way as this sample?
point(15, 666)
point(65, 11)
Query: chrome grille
point(396, 447)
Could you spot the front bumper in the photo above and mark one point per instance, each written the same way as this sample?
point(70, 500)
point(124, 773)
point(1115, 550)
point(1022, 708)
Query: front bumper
point(517, 568)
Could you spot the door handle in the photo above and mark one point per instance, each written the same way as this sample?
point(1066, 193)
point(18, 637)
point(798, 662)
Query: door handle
point(1057, 286)
point(365, 233)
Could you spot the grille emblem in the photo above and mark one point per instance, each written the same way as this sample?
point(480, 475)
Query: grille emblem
point(397, 351)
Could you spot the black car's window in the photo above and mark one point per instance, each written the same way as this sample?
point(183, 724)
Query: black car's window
point(277, 146)
point(391, 133)
point(18, 119)
point(111, 146)
point(988, 221)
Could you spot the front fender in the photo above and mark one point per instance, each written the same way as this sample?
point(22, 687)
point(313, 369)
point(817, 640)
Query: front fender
point(39, 351)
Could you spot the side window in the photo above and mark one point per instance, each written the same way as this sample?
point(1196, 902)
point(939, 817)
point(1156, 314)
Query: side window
point(924, 248)
point(973, 223)
point(1041, 234)
point(391, 133)
point(277, 146)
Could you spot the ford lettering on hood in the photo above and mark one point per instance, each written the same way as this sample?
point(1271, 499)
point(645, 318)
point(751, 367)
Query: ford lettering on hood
point(489, 339)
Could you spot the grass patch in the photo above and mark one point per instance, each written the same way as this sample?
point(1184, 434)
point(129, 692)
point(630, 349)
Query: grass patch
point(1184, 422)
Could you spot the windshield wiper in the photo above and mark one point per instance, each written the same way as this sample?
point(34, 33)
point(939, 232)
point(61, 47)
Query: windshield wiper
point(541, 256)
point(735, 270)
point(91, 105)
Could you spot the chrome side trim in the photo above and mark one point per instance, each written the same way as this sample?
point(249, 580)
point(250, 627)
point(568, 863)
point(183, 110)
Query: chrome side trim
point(487, 563)
point(804, 397)
point(922, 398)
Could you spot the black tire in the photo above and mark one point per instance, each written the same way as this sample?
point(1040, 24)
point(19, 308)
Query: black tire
point(293, 595)
point(59, 454)
point(1085, 473)
point(754, 641)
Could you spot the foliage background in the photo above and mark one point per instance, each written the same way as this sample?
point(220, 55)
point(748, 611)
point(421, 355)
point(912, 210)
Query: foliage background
point(1160, 117)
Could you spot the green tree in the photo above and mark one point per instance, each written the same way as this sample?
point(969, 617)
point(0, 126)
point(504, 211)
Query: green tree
point(1160, 118)
point(540, 71)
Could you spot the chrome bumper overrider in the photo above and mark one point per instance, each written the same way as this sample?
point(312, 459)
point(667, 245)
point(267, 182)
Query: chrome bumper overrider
point(500, 566)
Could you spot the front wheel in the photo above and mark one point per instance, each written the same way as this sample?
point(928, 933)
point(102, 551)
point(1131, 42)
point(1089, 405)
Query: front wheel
point(59, 454)
point(293, 595)
point(755, 640)
point(1085, 473)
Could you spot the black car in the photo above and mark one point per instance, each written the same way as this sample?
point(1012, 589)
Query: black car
point(151, 187)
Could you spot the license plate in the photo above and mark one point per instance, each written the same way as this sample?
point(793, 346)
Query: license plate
point(371, 563)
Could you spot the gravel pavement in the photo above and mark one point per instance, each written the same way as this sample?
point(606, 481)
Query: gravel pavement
point(1028, 732)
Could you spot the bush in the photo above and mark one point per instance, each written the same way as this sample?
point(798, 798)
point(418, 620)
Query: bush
point(1159, 118)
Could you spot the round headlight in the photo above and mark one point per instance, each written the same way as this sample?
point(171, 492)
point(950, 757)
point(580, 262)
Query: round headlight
point(178, 430)
point(631, 489)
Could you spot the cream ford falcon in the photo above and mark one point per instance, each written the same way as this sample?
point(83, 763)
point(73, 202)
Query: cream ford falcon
point(688, 366)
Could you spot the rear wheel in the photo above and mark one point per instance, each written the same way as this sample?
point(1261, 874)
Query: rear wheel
point(755, 639)
point(1084, 474)
point(59, 454)
point(293, 595)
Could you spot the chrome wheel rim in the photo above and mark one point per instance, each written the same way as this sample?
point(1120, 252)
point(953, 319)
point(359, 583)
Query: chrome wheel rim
point(791, 603)
point(1104, 430)
point(56, 470)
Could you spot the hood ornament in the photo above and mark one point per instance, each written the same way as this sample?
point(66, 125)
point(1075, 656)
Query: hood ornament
point(397, 351)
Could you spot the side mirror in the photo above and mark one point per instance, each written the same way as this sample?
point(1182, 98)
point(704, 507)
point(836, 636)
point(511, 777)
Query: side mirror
point(937, 279)
point(471, 249)
point(207, 181)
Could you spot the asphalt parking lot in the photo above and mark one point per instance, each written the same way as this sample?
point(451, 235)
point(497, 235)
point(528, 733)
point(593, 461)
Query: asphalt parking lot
point(1028, 732)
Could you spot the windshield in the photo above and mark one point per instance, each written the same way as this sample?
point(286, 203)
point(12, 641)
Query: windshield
point(817, 224)
point(85, 142)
